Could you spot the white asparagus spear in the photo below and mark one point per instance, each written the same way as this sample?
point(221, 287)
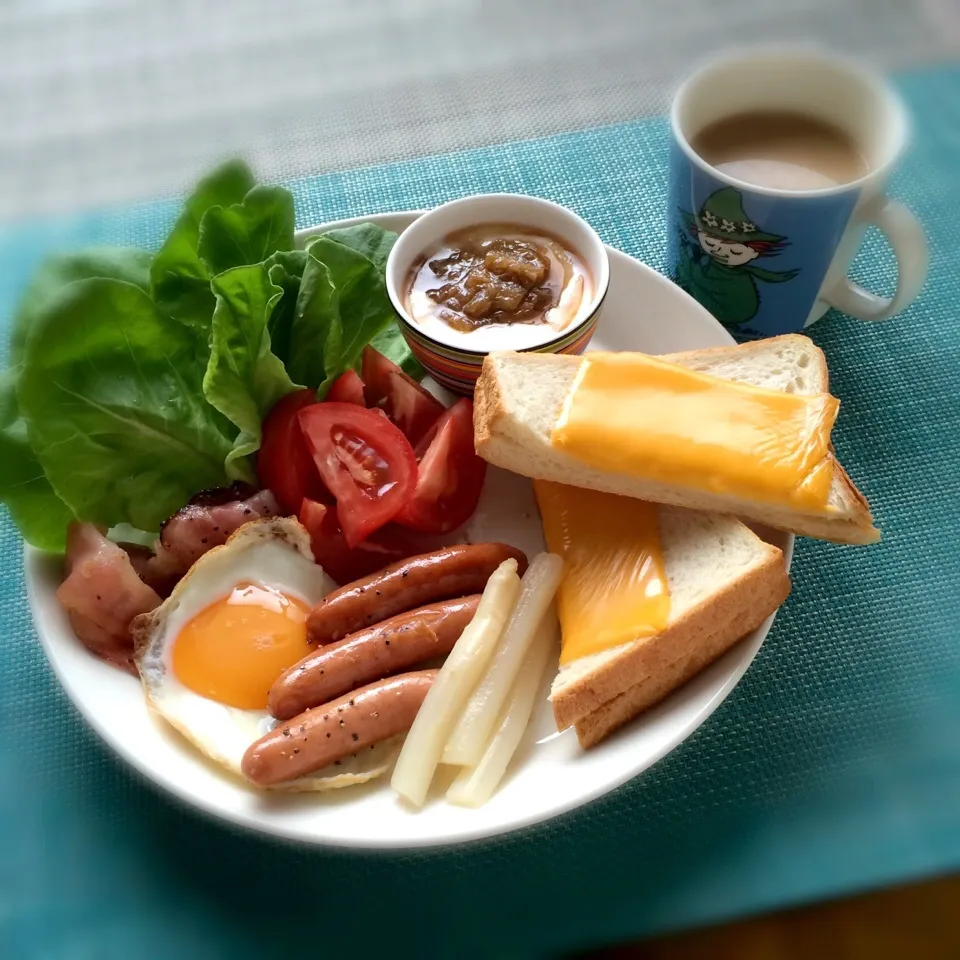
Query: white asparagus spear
point(475, 786)
point(441, 707)
point(475, 727)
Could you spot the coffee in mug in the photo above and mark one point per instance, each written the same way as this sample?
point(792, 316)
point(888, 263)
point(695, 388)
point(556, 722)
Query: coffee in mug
point(781, 149)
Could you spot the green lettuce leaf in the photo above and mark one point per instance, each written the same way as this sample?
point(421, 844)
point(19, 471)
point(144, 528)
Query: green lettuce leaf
point(247, 232)
point(285, 269)
point(375, 244)
point(315, 329)
point(244, 378)
point(367, 239)
point(111, 392)
point(291, 262)
point(179, 279)
point(120, 263)
point(40, 515)
point(363, 305)
point(340, 305)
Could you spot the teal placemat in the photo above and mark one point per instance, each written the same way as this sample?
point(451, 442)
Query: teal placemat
point(834, 765)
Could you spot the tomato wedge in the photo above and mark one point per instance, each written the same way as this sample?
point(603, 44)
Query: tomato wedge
point(284, 462)
point(347, 388)
point(410, 406)
point(365, 462)
point(449, 477)
point(383, 547)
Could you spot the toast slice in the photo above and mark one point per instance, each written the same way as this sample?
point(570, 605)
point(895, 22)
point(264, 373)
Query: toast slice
point(519, 396)
point(724, 581)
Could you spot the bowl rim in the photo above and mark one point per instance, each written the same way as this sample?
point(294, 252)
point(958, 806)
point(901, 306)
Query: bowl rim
point(546, 346)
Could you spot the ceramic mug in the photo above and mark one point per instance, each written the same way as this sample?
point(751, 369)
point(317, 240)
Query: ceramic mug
point(768, 261)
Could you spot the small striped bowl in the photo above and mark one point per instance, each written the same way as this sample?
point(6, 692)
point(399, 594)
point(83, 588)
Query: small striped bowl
point(457, 367)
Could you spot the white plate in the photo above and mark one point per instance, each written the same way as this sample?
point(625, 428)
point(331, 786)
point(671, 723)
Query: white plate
point(550, 774)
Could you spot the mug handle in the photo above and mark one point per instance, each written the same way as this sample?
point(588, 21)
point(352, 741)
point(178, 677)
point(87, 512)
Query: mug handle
point(909, 244)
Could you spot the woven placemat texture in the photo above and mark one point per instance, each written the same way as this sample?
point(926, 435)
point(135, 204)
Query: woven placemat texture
point(834, 765)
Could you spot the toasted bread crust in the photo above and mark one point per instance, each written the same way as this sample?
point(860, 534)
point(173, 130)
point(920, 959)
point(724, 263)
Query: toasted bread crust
point(650, 669)
point(759, 346)
point(488, 408)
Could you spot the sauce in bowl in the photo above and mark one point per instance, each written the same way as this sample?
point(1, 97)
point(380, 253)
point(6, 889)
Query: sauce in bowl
point(498, 283)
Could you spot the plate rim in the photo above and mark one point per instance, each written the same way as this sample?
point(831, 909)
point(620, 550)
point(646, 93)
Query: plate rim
point(34, 559)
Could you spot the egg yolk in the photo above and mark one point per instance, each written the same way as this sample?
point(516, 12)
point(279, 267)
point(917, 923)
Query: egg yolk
point(233, 650)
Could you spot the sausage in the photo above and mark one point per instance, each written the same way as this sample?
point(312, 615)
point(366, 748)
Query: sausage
point(392, 645)
point(450, 572)
point(320, 736)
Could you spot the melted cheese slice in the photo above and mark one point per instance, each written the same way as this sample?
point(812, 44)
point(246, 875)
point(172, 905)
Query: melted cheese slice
point(614, 587)
point(634, 414)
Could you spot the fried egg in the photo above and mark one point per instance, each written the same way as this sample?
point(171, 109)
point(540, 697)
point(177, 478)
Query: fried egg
point(237, 619)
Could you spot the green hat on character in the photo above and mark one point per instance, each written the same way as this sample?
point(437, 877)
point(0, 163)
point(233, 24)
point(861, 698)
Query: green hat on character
point(722, 215)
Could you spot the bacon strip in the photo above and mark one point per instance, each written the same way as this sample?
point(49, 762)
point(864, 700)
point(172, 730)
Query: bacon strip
point(205, 522)
point(102, 594)
point(108, 584)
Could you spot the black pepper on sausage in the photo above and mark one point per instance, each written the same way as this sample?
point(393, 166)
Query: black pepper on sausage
point(336, 730)
point(450, 572)
point(398, 643)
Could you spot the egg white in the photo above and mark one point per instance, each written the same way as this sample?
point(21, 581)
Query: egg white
point(272, 553)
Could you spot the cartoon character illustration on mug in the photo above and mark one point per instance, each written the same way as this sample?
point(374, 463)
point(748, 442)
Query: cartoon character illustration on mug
point(717, 252)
